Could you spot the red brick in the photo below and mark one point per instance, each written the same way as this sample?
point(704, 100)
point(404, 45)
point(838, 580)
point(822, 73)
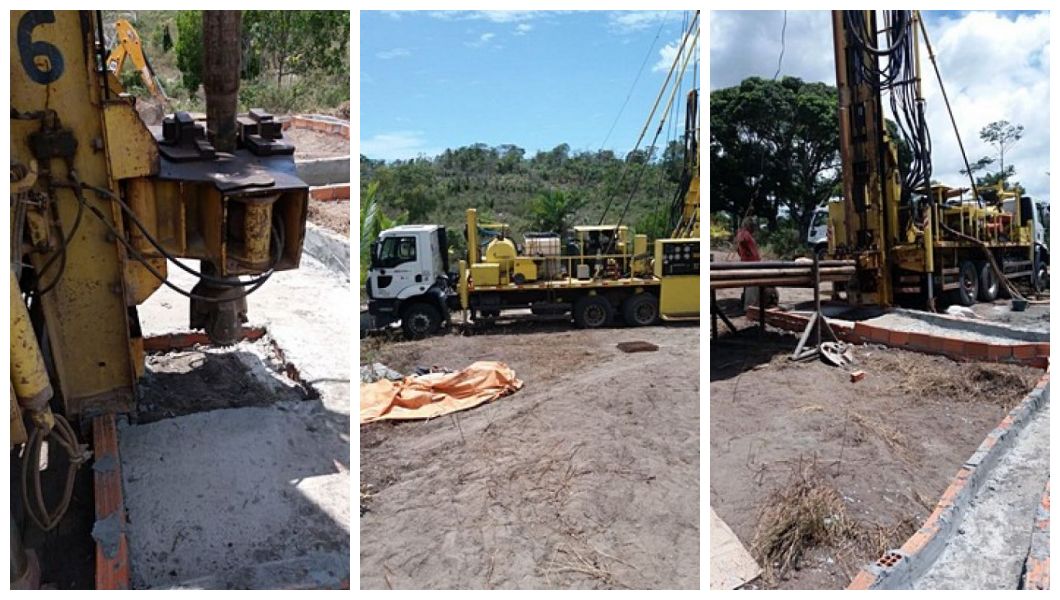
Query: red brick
point(921, 341)
point(1042, 349)
point(953, 346)
point(1000, 351)
point(857, 376)
point(899, 338)
point(978, 350)
point(1024, 351)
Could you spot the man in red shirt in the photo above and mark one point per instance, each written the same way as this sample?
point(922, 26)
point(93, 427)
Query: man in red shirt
point(747, 248)
point(745, 242)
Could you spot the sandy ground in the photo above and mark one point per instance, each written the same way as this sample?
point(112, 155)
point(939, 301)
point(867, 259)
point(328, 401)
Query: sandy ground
point(586, 478)
point(991, 544)
point(332, 214)
point(890, 444)
point(313, 144)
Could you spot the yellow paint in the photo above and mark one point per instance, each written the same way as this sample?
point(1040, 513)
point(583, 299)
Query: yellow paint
point(29, 375)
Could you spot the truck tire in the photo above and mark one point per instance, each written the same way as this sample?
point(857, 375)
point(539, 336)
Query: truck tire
point(969, 288)
point(1041, 278)
point(420, 320)
point(989, 285)
point(640, 310)
point(592, 312)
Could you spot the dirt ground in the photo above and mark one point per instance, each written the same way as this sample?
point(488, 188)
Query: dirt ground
point(332, 214)
point(314, 144)
point(889, 444)
point(586, 478)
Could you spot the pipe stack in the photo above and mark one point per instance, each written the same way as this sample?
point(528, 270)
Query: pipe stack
point(776, 273)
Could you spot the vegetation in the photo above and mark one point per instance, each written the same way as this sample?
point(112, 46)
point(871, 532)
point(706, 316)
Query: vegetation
point(1002, 135)
point(773, 145)
point(373, 221)
point(548, 191)
point(293, 61)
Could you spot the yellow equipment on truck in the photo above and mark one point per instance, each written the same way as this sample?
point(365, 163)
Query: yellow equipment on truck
point(914, 240)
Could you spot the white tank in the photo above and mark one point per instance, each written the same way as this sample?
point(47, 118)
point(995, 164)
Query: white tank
point(544, 244)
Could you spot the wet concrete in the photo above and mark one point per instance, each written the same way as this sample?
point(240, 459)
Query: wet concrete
point(254, 485)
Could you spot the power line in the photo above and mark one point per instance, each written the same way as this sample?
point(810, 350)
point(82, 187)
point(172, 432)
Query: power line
point(632, 87)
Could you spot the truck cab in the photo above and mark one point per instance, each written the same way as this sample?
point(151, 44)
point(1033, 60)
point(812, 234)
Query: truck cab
point(407, 279)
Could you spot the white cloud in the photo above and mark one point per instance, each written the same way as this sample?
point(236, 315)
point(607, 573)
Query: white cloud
point(523, 28)
point(482, 40)
point(666, 56)
point(494, 16)
point(629, 21)
point(394, 53)
point(393, 14)
point(396, 145)
point(988, 77)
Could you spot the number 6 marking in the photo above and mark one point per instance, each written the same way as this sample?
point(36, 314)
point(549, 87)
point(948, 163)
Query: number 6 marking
point(50, 65)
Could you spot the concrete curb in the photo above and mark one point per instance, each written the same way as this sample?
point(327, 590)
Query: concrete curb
point(1036, 568)
point(319, 123)
point(1032, 354)
point(983, 327)
point(331, 249)
point(897, 569)
point(323, 171)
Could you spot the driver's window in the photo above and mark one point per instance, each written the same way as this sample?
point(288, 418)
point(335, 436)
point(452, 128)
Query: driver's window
point(397, 250)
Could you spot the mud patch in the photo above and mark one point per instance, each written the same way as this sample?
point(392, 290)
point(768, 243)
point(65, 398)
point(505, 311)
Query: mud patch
point(206, 378)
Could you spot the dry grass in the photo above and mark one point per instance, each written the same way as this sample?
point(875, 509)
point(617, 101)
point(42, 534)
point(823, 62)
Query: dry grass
point(999, 384)
point(894, 439)
point(809, 513)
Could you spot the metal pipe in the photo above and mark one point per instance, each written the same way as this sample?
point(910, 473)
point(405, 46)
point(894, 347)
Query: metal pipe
point(221, 35)
point(779, 264)
point(735, 274)
point(29, 375)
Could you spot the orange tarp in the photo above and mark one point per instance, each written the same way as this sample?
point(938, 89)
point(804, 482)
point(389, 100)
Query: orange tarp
point(436, 394)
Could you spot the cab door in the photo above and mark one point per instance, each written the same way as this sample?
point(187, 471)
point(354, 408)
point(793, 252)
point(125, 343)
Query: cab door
point(395, 266)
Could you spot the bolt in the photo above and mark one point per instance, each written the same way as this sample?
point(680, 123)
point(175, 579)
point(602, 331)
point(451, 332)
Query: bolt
point(97, 144)
point(116, 289)
point(110, 237)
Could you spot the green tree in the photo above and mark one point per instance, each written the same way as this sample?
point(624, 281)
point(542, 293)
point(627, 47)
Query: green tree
point(773, 144)
point(1002, 135)
point(167, 39)
point(189, 49)
point(373, 221)
point(552, 210)
point(299, 41)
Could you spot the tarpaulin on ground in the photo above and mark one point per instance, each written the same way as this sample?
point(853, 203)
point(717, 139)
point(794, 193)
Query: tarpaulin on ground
point(436, 394)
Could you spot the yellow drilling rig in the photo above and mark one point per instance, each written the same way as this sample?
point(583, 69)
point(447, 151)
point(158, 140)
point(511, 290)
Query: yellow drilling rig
point(102, 207)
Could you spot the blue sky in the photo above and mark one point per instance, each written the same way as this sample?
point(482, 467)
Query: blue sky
point(434, 80)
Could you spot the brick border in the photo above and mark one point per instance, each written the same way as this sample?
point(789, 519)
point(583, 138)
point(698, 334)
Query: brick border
point(319, 125)
point(169, 342)
point(1036, 568)
point(898, 568)
point(328, 193)
point(112, 560)
point(1031, 354)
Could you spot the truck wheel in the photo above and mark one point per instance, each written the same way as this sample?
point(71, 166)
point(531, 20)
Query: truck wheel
point(420, 320)
point(969, 280)
point(1041, 278)
point(821, 251)
point(989, 285)
point(592, 312)
point(640, 310)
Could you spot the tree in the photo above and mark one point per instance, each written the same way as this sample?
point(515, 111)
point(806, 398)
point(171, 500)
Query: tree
point(551, 211)
point(373, 221)
point(1002, 135)
point(167, 39)
point(979, 165)
point(299, 41)
point(189, 49)
point(773, 144)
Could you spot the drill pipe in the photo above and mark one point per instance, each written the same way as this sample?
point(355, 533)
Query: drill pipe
point(221, 35)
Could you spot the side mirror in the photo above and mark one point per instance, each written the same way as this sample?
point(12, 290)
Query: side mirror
point(374, 253)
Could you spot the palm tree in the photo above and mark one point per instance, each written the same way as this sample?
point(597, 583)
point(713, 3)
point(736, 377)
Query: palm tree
point(373, 222)
point(550, 211)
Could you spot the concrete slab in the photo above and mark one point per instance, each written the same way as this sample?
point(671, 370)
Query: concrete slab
point(253, 497)
point(991, 544)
